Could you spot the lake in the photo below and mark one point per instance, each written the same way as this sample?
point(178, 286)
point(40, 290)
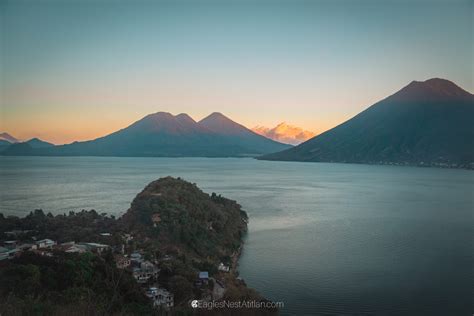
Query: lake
point(323, 238)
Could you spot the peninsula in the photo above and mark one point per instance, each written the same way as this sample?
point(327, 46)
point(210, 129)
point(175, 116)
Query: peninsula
point(174, 248)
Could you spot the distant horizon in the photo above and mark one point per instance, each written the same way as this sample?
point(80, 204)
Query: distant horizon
point(20, 139)
point(80, 70)
point(198, 119)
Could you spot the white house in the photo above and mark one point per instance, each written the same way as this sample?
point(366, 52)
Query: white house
point(222, 267)
point(45, 243)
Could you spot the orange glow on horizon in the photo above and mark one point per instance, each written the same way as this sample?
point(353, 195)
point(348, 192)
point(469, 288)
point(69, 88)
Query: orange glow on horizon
point(84, 127)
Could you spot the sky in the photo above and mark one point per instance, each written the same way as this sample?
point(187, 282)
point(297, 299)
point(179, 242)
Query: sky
point(77, 70)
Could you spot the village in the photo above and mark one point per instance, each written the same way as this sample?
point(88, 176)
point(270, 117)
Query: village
point(144, 268)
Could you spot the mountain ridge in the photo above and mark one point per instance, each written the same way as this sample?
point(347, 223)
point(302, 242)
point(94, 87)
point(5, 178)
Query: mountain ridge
point(162, 134)
point(427, 124)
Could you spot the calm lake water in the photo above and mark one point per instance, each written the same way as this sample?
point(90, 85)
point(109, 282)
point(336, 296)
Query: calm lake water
point(323, 238)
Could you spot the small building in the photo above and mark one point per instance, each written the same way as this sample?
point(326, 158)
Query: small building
point(203, 275)
point(203, 278)
point(75, 249)
point(94, 247)
point(161, 297)
point(222, 267)
point(105, 234)
point(150, 269)
point(140, 276)
point(45, 243)
point(136, 259)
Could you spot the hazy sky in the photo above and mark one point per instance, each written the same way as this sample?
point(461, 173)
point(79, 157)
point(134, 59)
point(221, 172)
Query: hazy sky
point(76, 70)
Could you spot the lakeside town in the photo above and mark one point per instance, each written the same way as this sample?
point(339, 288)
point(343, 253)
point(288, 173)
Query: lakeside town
point(144, 269)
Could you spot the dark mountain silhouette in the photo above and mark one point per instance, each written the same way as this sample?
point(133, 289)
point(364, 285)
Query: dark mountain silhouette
point(425, 123)
point(15, 146)
point(9, 138)
point(236, 133)
point(38, 143)
point(165, 135)
point(220, 124)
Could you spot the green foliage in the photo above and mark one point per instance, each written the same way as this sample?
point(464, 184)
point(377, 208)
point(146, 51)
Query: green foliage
point(76, 226)
point(41, 285)
point(200, 225)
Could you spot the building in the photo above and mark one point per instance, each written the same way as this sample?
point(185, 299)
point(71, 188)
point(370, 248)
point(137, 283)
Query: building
point(203, 278)
point(140, 276)
point(204, 275)
point(161, 297)
point(45, 243)
point(76, 249)
point(222, 267)
point(149, 268)
point(145, 271)
point(136, 259)
point(94, 247)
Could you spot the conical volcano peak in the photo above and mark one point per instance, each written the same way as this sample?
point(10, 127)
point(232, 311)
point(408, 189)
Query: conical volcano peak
point(185, 118)
point(435, 88)
point(216, 116)
point(159, 115)
point(219, 123)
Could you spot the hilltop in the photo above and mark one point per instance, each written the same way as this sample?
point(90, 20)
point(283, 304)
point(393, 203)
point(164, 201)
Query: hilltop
point(178, 215)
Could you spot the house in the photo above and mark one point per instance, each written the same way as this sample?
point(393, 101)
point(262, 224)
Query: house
point(203, 277)
point(136, 259)
point(45, 243)
point(150, 269)
point(222, 267)
point(145, 271)
point(140, 276)
point(71, 247)
point(160, 297)
point(76, 249)
point(94, 247)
